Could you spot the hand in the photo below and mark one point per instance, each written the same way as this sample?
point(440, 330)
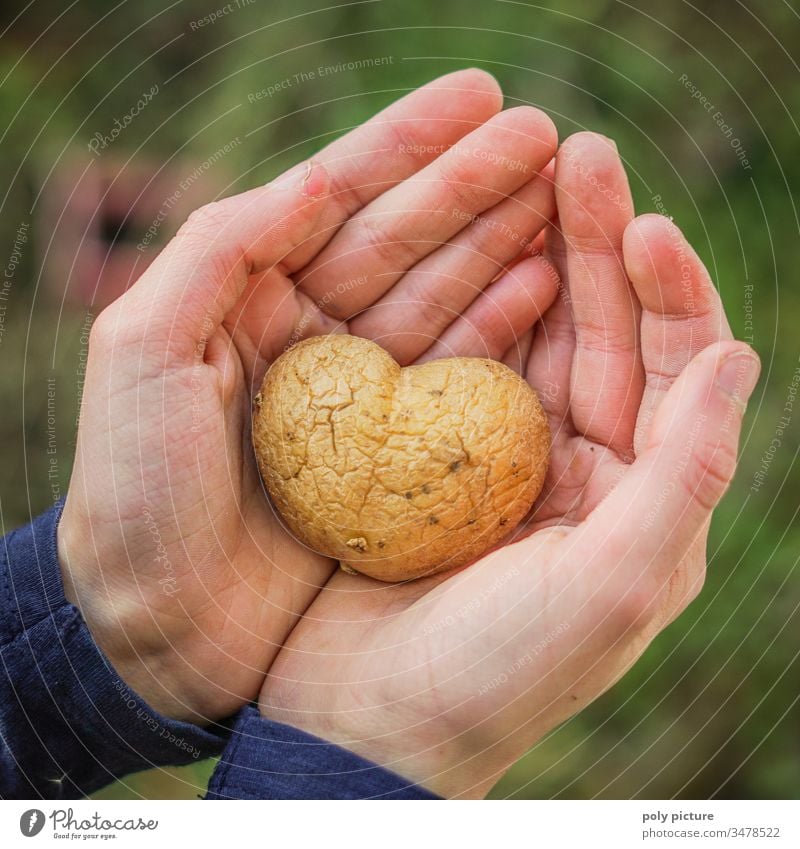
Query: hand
point(449, 680)
point(167, 542)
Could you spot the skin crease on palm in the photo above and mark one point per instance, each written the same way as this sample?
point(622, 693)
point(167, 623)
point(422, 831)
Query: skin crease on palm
point(446, 680)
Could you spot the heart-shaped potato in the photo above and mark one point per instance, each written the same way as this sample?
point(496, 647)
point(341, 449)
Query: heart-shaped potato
point(397, 472)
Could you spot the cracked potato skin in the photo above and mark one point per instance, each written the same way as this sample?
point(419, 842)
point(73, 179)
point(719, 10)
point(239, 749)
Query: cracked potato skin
point(397, 473)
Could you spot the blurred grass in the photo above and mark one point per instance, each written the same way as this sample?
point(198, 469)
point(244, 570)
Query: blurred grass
point(712, 708)
point(184, 782)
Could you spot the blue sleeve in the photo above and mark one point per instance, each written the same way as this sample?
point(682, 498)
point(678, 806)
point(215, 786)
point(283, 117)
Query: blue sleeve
point(268, 760)
point(69, 725)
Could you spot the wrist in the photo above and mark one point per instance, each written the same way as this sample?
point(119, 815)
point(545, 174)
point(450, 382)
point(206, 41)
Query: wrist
point(424, 752)
point(141, 653)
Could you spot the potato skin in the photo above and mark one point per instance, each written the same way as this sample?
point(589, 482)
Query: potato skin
point(397, 473)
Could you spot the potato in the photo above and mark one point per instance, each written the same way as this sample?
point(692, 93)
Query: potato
point(397, 472)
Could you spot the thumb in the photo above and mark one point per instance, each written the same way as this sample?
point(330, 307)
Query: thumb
point(198, 277)
point(648, 523)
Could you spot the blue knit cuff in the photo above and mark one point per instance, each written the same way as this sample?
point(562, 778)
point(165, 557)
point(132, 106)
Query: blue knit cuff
point(269, 760)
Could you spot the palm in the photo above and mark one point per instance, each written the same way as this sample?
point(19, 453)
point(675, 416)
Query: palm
point(522, 639)
point(578, 478)
point(249, 563)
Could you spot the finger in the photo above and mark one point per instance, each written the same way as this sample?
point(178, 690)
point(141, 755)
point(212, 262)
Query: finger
point(447, 281)
point(516, 356)
point(594, 207)
point(505, 311)
point(549, 366)
point(681, 310)
point(201, 274)
point(270, 317)
point(634, 540)
point(397, 143)
point(405, 224)
point(536, 245)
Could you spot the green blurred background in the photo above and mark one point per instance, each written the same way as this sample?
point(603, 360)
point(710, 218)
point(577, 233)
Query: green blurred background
point(712, 709)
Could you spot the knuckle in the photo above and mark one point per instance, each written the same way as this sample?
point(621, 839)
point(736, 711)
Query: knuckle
point(206, 220)
point(464, 188)
point(658, 382)
point(209, 234)
point(394, 254)
point(350, 195)
point(710, 472)
point(588, 248)
point(115, 328)
point(430, 312)
point(103, 333)
point(498, 244)
point(605, 338)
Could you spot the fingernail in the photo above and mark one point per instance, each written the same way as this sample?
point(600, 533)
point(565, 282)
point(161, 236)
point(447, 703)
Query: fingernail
point(314, 184)
point(738, 375)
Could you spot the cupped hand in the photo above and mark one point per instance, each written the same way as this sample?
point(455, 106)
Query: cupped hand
point(449, 680)
point(167, 543)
